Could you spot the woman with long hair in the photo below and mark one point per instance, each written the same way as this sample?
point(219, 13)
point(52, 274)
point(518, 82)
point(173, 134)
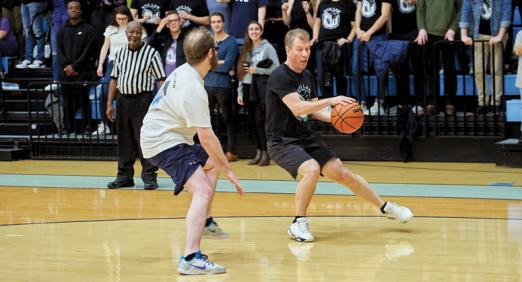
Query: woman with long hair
point(258, 58)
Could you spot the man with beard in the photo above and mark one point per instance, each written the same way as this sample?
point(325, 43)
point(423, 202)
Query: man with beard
point(178, 112)
point(137, 68)
point(291, 102)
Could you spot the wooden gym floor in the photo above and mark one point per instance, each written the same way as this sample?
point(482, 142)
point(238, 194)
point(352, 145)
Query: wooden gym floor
point(59, 223)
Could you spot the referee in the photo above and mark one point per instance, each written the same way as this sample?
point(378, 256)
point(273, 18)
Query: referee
point(136, 69)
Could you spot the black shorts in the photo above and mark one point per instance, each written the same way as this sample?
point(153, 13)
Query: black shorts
point(290, 153)
point(180, 162)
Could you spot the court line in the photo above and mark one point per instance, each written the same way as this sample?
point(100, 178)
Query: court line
point(258, 216)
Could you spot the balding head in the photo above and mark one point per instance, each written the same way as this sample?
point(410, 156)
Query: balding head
point(134, 34)
point(196, 45)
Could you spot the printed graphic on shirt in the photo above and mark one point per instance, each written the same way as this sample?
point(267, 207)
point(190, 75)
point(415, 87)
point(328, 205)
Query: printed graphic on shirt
point(184, 9)
point(369, 7)
point(486, 10)
point(406, 7)
point(152, 11)
point(331, 18)
point(163, 92)
point(305, 95)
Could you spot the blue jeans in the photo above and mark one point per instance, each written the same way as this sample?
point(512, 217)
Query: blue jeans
point(29, 11)
point(105, 80)
point(57, 24)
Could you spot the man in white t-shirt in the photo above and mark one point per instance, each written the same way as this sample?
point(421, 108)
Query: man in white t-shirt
point(177, 113)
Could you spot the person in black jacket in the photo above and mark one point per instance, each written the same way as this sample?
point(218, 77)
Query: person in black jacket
point(169, 45)
point(75, 52)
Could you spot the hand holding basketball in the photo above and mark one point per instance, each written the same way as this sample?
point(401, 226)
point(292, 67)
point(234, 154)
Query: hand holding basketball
point(347, 118)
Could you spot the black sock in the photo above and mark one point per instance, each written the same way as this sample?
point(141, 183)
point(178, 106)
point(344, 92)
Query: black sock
point(295, 219)
point(191, 256)
point(209, 221)
point(383, 206)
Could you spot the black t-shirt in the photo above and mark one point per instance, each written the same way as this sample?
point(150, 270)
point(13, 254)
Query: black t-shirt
point(151, 8)
point(335, 19)
point(485, 18)
point(299, 16)
point(197, 8)
point(273, 9)
point(280, 121)
point(370, 12)
point(404, 20)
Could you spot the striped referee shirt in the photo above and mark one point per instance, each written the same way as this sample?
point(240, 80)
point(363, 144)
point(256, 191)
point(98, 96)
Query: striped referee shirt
point(137, 70)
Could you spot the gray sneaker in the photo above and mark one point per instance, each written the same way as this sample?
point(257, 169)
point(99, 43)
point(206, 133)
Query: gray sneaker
point(213, 231)
point(199, 265)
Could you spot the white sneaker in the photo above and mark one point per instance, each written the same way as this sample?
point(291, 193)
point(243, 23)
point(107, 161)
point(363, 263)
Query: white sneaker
point(376, 109)
point(51, 87)
point(199, 265)
point(36, 64)
point(300, 230)
point(400, 213)
point(10, 86)
point(102, 129)
point(213, 231)
point(418, 110)
point(23, 64)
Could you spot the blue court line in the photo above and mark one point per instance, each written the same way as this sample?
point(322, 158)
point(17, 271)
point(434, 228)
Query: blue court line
point(278, 187)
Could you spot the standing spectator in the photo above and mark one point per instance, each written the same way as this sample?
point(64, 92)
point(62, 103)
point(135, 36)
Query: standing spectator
point(243, 12)
point(149, 13)
point(438, 20)
point(223, 7)
point(217, 81)
point(75, 51)
point(170, 44)
point(101, 16)
point(11, 10)
point(370, 25)
point(8, 44)
point(275, 28)
point(33, 14)
point(299, 14)
point(58, 19)
point(333, 29)
point(115, 39)
point(490, 21)
point(517, 49)
point(194, 13)
point(136, 69)
point(258, 59)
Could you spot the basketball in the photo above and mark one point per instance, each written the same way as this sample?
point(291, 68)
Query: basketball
point(347, 118)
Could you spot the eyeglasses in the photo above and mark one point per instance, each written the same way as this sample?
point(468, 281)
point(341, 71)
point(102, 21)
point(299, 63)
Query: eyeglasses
point(122, 19)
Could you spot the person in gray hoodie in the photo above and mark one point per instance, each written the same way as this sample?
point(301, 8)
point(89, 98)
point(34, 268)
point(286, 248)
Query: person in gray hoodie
point(258, 58)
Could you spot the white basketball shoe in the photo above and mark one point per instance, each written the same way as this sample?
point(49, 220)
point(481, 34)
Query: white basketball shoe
point(400, 213)
point(199, 265)
point(300, 230)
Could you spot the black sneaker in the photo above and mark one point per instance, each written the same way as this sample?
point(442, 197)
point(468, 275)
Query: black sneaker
point(120, 183)
point(151, 185)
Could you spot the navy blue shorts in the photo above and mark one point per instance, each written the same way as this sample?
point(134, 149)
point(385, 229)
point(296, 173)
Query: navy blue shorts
point(180, 162)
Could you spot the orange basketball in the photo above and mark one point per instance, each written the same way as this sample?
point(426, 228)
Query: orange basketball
point(347, 118)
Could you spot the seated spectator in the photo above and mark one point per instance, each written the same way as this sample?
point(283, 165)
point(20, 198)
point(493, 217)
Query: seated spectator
point(33, 17)
point(170, 44)
point(217, 81)
point(115, 39)
point(8, 44)
point(149, 13)
point(194, 13)
point(257, 60)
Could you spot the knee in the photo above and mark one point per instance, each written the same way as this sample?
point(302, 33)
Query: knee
point(311, 170)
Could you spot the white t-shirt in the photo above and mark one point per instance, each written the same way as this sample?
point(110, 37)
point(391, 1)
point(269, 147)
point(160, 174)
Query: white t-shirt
point(179, 107)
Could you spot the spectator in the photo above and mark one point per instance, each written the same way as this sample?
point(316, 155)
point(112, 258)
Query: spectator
point(257, 60)
point(242, 13)
point(58, 19)
point(101, 16)
point(149, 13)
point(517, 49)
point(75, 51)
point(115, 39)
point(194, 13)
point(33, 14)
point(222, 7)
point(299, 14)
point(8, 44)
point(436, 21)
point(275, 28)
point(136, 69)
point(11, 10)
point(370, 25)
point(490, 21)
point(333, 29)
point(169, 45)
point(217, 81)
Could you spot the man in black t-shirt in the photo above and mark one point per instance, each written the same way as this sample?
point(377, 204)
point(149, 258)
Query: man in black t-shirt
point(290, 103)
point(194, 13)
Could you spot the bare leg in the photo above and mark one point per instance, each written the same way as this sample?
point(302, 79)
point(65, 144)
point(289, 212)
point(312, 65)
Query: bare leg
point(212, 172)
point(201, 189)
point(335, 170)
point(310, 170)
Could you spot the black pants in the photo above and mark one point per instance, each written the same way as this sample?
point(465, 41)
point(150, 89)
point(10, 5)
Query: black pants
point(130, 112)
point(339, 71)
point(256, 113)
point(274, 32)
point(76, 98)
point(434, 51)
point(223, 97)
point(411, 65)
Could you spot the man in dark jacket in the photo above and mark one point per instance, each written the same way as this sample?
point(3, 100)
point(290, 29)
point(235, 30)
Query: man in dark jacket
point(75, 42)
point(169, 45)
